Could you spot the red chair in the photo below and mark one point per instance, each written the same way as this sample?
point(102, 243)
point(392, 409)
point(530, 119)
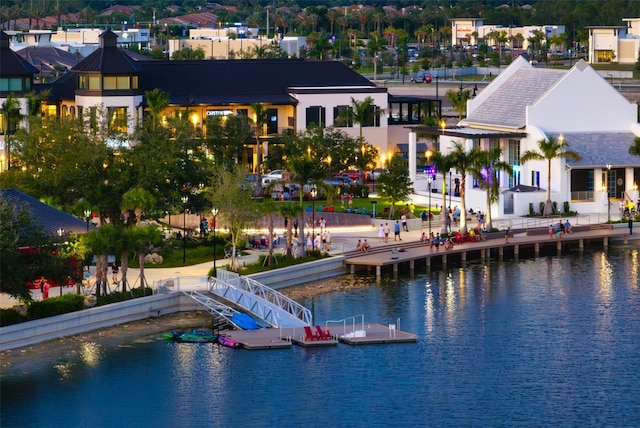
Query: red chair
point(309, 333)
point(321, 334)
point(458, 238)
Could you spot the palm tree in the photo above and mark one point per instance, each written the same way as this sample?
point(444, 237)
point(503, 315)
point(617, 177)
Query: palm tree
point(157, 100)
point(11, 116)
point(459, 100)
point(443, 163)
point(137, 200)
point(486, 169)
point(260, 121)
point(463, 161)
point(550, 149)
point(634, 149)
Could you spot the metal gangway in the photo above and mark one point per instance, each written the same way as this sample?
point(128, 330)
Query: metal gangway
point(265, 303)
point(214, 307)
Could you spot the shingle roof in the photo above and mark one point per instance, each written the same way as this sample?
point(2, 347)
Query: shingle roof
point(506, 106)
point(47, 216)
point(11, 63)
point(600, 148)
point(244, 81)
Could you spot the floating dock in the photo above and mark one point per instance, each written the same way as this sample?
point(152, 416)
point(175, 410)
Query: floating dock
point(281, 338)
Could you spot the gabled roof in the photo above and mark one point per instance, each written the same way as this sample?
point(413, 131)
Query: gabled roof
point(600, 148)
point(47, 216)
point(220, 82)
point(507, 105)
point(12, 63)
point(109, 59)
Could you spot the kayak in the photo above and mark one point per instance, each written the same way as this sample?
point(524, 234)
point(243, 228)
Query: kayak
point(193, 336)
point(227, 341)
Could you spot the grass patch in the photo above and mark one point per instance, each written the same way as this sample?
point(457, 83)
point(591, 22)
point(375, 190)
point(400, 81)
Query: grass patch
point(281, 261)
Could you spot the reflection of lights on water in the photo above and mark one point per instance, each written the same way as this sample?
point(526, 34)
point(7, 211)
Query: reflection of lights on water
point(634, 270)
point(606, 273)
point(429, 309)
point(64, 369)
point(91, 353)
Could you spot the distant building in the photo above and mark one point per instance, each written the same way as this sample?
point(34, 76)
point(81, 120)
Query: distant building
point(615, 44)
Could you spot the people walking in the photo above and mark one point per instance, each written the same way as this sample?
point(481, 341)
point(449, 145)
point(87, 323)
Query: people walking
point(506, 234)
point(630, 221)
point(396, 231)
point(387, 231)
point(403, 218)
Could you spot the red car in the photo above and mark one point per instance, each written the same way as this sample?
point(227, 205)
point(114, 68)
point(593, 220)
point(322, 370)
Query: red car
point(352, 174)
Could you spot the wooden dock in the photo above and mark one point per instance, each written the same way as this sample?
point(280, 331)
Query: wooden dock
point(281, 338)
point(410, 253)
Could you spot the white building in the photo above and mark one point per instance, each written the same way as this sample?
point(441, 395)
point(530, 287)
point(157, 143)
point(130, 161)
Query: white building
point(524, 105)
point(616, 43)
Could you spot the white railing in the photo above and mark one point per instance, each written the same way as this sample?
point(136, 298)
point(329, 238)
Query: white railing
point(343, 322)
point(262, 301)
point(214, 307)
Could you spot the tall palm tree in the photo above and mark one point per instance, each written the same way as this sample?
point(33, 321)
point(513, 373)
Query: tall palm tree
point(463, 161)
point(261, 120)
point(443, 163)
point(486, 170)
point(11, 116)
point(157, 100)
point(550, 149)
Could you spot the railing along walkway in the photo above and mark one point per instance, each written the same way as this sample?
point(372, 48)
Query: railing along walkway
point(263, 302)
point(214, 307)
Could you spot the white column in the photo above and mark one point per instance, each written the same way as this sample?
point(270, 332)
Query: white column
point(413, 141)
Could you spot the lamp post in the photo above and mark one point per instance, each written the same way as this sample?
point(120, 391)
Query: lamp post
point(429, 181)
point(87, 217)
point(60, 233)
point(314, 193)
point(214, 211)
point(185, 199)
point(608, 196)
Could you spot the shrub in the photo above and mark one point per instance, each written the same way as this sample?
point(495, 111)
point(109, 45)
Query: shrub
point(55, 306)
point(541, 207)
point(565, 207)
point(132, 293)
point(10, 317)
point(532, 212)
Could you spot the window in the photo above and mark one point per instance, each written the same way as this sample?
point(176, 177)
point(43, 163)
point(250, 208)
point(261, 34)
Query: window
point(316, 116)
point(272, 121)
point(117, 119)
point(83, 82)
point(94, 83)
point(11, 84)
point(514, 160)
point(372, 118)
point(50, 111)
point(109, 83)
point(122, 82)
point(341, 117)
point(494, 143)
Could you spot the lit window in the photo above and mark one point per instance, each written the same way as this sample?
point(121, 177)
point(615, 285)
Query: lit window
point(117, 119)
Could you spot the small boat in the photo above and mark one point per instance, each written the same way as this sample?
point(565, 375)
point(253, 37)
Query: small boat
point(193, 336)
point(227, 341)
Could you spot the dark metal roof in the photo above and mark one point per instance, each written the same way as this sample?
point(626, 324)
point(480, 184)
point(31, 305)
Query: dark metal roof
point(12, 64)
point(63, 88)
point(109, 59)
point(410, 99)
point(47, 216)
point(244, 81)
point(524, 189)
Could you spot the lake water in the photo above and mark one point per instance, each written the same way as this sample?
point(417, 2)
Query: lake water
point(553, 341)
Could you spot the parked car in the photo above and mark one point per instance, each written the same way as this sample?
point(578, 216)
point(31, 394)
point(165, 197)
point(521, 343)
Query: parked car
point(421, 77)
point(338, 181)
point(374, 174)
point(351, 173)
point(275, 175)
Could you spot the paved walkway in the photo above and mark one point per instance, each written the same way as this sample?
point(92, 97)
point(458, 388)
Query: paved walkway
point(343, 239)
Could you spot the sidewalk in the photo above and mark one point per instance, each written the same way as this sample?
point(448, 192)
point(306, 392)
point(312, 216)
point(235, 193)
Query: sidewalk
point(342, 239)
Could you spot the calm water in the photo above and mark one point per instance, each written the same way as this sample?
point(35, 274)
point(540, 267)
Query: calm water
point(545, 342)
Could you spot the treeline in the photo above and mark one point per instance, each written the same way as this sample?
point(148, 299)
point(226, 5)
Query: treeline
point(334, 18)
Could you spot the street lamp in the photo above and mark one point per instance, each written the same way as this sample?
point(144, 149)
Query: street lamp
point(185, 199)
point(608, 196)
point(214, 211)
point(60, 233)
point(87, 216)
point(429, 181)
point(443, 125)
point(314, 193)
